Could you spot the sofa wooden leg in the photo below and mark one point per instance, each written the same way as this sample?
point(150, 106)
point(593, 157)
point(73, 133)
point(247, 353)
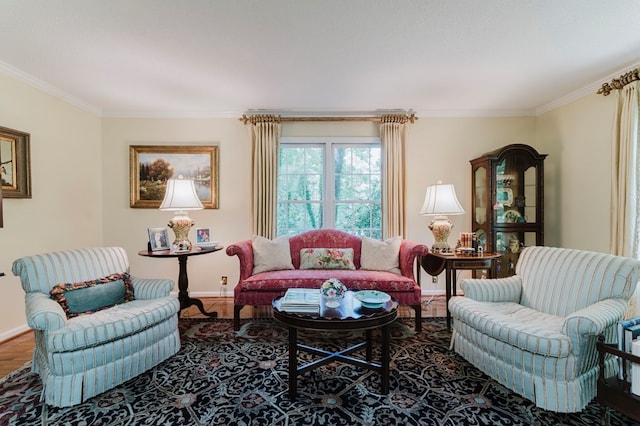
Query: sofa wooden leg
point(418, 309)
point(236, 316)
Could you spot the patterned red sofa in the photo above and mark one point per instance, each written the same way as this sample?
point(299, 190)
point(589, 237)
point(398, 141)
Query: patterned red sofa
point(262, 288)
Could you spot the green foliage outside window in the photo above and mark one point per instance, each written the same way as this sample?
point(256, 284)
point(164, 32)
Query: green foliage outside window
point(355, 204)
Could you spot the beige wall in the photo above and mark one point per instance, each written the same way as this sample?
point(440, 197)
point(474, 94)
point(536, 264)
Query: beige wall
point(80, 169)
point(66, 208)
point(577, 172)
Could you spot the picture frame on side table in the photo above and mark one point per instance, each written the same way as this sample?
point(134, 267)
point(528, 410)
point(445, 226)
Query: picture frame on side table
point(203, 236)
point(15, 163)
point(150, 166)
point(158, 239)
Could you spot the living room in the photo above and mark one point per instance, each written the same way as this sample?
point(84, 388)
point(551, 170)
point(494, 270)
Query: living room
point(81, 181)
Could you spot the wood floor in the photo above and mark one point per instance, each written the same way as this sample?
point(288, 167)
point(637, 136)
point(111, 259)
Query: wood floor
point(14, 353)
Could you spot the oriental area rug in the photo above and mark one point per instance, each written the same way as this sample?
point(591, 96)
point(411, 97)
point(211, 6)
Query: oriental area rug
point(220, 377)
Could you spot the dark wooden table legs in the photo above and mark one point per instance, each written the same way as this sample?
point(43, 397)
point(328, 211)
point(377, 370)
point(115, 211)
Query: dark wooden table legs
point(183, 290)
point(343, 355)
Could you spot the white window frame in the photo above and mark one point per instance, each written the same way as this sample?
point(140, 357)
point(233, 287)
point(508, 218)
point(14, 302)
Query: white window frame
point(328, 204)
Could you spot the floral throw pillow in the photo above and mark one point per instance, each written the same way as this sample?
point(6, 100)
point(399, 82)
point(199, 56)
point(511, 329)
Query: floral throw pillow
point(326, 258)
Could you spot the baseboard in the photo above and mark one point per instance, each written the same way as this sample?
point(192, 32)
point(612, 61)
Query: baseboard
point(14, 332)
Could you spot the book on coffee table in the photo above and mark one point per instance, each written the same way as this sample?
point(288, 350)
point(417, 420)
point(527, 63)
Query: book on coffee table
point(306, 300)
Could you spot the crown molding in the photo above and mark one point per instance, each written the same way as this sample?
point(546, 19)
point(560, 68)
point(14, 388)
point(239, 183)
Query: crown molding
point(167, 114)
point(469, 113)
point(34, 82)
point(590, 89)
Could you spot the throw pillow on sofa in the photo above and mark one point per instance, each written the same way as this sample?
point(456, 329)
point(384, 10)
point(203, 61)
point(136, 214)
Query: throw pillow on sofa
point(379, 255)
point(271, 255)
point(326, 258)
point(92, 296)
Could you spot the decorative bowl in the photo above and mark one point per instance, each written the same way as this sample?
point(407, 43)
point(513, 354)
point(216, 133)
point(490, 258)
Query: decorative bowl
point(332, 290)
point(372, 299)
point(207, 246)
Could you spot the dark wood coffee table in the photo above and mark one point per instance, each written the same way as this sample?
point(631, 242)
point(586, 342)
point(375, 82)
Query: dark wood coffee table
point(349, 316)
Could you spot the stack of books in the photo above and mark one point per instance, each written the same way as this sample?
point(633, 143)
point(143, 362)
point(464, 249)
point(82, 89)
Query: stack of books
point(303, 300)
point(628, 331)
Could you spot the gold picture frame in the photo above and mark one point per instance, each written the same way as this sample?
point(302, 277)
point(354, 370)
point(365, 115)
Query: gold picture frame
point(15, 163)
point(151, 165)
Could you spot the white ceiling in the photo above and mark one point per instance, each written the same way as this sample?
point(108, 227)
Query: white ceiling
point(220, 58)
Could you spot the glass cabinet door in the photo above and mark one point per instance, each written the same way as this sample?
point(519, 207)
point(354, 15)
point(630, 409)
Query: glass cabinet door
point(480, 195)
point(516, 192)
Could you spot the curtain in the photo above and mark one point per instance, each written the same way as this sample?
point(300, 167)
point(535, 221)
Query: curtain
point(265, 143)
point(392, 138)
point(625, 182)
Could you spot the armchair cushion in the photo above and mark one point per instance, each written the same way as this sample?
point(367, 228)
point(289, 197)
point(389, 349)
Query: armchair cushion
point(91, 296)
point(534, 331)
point(89, 331)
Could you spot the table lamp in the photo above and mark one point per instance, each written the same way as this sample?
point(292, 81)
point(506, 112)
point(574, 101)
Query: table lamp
point(181, 196)
point(440, 201)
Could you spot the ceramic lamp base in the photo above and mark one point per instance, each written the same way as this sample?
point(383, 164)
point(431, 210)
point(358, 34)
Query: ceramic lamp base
point(441, 228)
point(181, 224)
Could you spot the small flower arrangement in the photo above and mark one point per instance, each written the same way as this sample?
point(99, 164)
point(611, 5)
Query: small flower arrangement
point(333, 289)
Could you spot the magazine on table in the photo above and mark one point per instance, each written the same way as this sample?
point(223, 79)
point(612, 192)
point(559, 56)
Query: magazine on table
point(306, 300)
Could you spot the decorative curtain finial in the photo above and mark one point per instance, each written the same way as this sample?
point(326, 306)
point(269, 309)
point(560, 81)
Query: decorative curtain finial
point(620, 82)
point(398, 118)
point(260, 118)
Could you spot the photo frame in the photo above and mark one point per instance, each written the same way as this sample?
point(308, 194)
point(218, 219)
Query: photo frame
point(151, 165)
point(158, 239)
point(15, 163)
point(203, 236)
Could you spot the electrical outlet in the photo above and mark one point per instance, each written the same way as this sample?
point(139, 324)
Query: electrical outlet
point(223, 280)
point(434, 279)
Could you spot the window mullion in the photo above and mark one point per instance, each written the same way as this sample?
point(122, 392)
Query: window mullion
point(329, 191)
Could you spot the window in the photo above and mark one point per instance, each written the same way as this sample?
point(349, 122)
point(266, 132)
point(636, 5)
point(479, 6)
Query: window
point(330, 183)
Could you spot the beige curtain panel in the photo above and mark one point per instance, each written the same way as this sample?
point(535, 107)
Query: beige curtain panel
point(392, 139)
point(265, 143)
point(625, 181)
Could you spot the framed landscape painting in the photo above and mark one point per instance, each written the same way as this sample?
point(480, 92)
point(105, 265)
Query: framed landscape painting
point(152, 165)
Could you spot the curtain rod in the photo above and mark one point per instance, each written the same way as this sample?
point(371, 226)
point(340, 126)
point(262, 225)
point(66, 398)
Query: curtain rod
point(620, 82)
point(402, 118)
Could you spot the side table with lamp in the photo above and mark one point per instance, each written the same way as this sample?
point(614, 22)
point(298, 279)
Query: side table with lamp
point(440, 200)
point(181, 196)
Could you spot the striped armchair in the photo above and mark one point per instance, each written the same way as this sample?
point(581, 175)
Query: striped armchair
point(79, 355)
point(535, 332)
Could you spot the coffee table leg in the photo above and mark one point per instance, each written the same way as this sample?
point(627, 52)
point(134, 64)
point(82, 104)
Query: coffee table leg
point(368, 336)
point(385, 359)
point(293, 362)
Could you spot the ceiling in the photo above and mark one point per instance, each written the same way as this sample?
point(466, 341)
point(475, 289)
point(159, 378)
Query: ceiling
point(220, 58)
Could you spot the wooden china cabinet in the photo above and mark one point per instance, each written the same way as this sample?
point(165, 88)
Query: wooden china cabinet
point(507, 211)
